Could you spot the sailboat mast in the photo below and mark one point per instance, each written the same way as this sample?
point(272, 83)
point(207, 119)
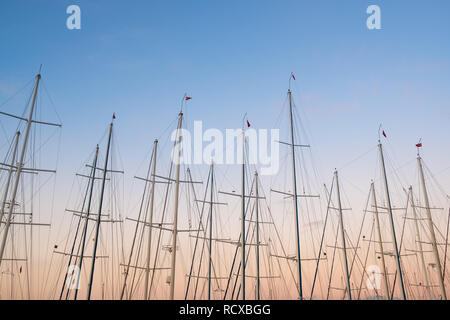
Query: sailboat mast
point(8, 180)
point(19, 169)
point(150, 222)
point(391, 220)
point(88, 211)
point(446, 243)
point(380, 242)
point(5, 194)
point(258, 281)
point(294, 183)
point(97, 228)
point(243, 217)
point(210, 231)
point(419, 244)
point(175, 213)
point(344, 248)
point(200, 225)
point(431, 228)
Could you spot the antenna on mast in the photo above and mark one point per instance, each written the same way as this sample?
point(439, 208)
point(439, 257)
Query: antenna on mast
point(182, 101)
point(419, 145)
point(379, 129)
point(243, 121)
point(185, 98)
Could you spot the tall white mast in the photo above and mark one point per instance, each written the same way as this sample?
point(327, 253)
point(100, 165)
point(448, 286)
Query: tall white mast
point(150, 222)
point(344, 248)
point(243, 217)
point(431, 228)
point(294, 183)
point(88, 212)
point(99, 215)
point(175, 213)
point(258, 281)
point(419, 244)
point(380, 242)
point(210, 231)
point(391, 220)
point(19, 169)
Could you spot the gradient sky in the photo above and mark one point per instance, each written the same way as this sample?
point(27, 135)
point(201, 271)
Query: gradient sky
point(235, 57)
point(138, 58)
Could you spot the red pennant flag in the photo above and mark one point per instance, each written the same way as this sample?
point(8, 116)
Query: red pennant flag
point(419, 145)
point(188, 98)
point(248, 124)
point(114, 115)
point(292, 75)
point(384, 134)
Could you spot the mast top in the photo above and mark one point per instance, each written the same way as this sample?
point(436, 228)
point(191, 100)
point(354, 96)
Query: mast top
point(38, 76)
point(379, 137)
point(183, 101)
point(243, 121)
point(418, 146)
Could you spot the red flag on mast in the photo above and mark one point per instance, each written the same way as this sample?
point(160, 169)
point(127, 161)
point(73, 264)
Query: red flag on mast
point(384, 134)
point(419, 145)
point(114, 115)
point(188, 98)
point(292, 75)
point(248, 124)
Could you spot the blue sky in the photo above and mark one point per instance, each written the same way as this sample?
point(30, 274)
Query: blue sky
point(138, 59)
